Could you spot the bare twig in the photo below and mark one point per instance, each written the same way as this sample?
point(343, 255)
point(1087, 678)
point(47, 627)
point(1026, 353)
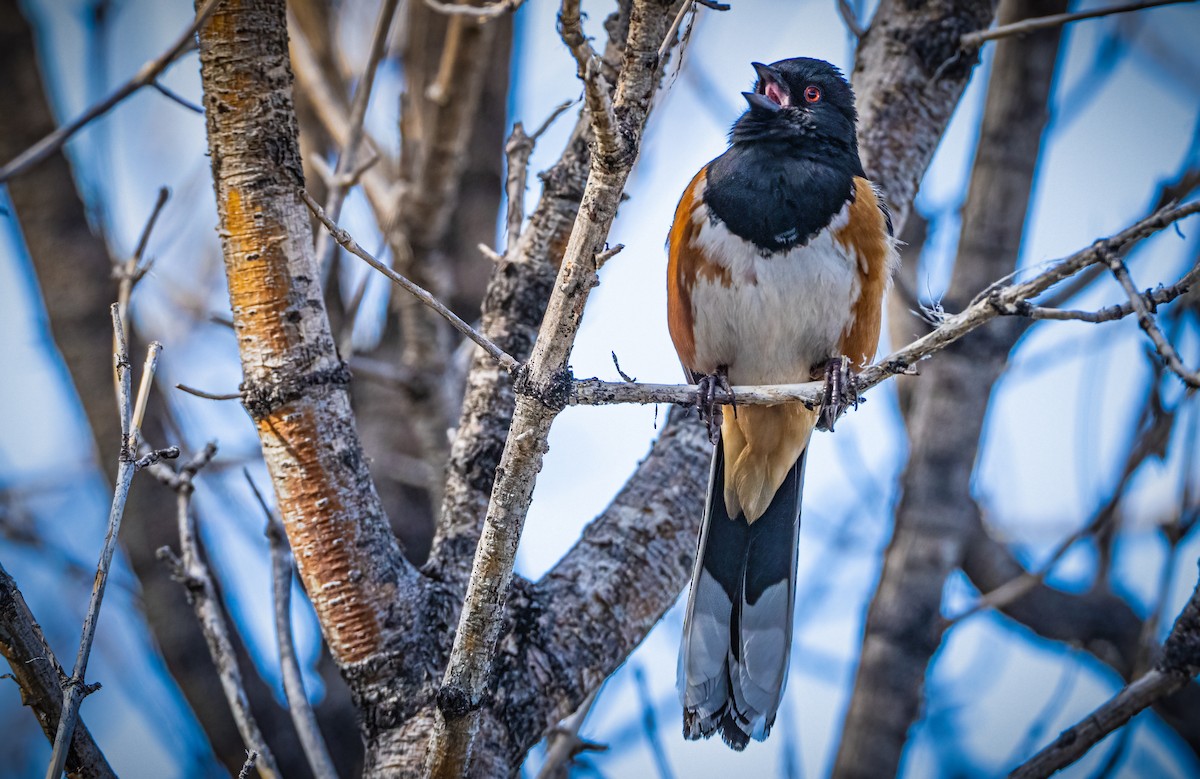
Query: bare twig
point(209, 395)
point(349, 244)
point(480, 13)
point(1025, 26)
point(673, 30)
point(293, 681)
point(171, 94)
point(1010, 300)
point(1150, 326)
point(190, 569)
point(146, 75)
point(517, 150)
point(565, 744)
point(75, 687)
point(595, 87)
point(1179, 663)
point(347, 159)
point(850, 19)
point(248, 766)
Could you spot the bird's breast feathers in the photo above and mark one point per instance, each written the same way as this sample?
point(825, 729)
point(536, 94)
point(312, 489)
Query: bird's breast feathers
point(771, 317)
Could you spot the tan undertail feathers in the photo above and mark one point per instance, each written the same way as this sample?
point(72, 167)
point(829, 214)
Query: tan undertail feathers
point(761, 443)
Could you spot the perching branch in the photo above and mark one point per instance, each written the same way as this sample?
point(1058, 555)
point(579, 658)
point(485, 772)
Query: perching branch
point(349, 244)
point(1180, 662)
point(131, 417)
point(190, 570)
point(1012, 299)
point(1025, 26)
point(144, 77)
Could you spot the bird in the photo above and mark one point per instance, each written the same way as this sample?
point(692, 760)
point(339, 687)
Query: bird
point(779, 256)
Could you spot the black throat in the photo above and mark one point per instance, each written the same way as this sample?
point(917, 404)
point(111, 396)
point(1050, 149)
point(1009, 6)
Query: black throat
point(776, 195)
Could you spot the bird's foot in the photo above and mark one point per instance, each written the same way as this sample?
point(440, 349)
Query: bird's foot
point(706, 399)
point(841, 392)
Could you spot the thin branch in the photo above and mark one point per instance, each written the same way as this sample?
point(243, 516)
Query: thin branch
point(517, 151)
point(1150, 326)
point(190, 570)
point(565, 744)
point(248, 766)
point(75, 687)
point(146, 75)
point(850, 19)
point(209, 395)
point(650, 726)
point(1015, 589)
point(299, 707)
point(975, 39)
point(37, 672)
point(331, 112)
point(358, 114)
point(1152, 298)
point(349, 244)
point(480, 13)
point(1180, 662)
point(171, 94)
point(595, 87)
point(673, 30)
point(1010, 300)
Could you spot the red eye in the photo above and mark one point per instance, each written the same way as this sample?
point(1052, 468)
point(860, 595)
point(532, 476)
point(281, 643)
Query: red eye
point(812, 94)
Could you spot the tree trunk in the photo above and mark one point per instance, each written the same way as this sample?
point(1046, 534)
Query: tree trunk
point(904, 625)
point(294, 385)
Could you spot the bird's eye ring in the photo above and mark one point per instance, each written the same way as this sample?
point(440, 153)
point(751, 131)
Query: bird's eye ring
point(812, 94)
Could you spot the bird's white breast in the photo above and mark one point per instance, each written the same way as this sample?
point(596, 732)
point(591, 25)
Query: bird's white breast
point(781, 315)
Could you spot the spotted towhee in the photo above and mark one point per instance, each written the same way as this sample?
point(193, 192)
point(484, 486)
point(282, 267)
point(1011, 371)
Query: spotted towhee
point(780, 254)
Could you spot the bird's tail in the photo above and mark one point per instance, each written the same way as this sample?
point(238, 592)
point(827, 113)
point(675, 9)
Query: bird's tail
point(737, 631)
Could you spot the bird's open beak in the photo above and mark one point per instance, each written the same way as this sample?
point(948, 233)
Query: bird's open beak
point(771, 86)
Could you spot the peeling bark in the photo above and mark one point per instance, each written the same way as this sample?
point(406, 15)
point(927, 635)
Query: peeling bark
point(294, 385)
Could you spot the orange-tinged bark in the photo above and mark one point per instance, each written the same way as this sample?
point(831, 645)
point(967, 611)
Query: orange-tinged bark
point(295, 385)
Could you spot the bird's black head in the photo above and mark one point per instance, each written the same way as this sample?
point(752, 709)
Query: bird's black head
point(801, 102)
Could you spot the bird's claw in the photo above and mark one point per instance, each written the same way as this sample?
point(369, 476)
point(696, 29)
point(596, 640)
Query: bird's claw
point(706, 400)
point(841, 392)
